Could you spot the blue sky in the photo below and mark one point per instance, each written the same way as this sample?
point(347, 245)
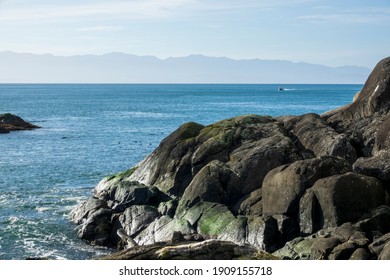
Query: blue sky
point(333, 33)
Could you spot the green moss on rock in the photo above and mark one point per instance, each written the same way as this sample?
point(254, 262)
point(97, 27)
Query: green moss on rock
point(215, 220)
point(122, 175)
point(190, 130)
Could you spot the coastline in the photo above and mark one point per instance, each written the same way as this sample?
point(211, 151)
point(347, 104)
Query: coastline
point(299, 187)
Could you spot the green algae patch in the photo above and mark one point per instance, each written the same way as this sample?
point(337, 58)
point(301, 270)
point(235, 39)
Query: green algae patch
point(215, 220)
point(122, 175)
point(189, 130)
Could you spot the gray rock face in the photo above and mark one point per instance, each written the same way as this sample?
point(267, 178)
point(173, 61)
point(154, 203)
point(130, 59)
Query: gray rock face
point(215, 182)
point(243, 143)
point(125, 194)
point(322, 247)
point(385, 253)
point(343, 251)
point(250, 204)
point(360, 254)
point(344, 198)
point(382, 138)
point(376, 220)
point(86, 209)
point(377, 166)
point(319, 138)
point(137, 217)
point(377, 246)
point(284, 186)
point(360, 120)
point(97, 228)
point(374, 97)
point(162, 230)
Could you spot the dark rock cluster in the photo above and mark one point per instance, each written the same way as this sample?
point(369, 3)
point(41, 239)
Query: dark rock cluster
point(300, 187)
point(10, 122)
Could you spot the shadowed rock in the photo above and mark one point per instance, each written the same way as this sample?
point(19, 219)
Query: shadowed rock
point(345, 198)
point(284, 186)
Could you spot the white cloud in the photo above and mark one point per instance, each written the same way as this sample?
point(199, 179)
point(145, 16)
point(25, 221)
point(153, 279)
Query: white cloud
point(103, 28)
point(129, 9)
point(371, 15)
point(101, 9)
point(345, 18)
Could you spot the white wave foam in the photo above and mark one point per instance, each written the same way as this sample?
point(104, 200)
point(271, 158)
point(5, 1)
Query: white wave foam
point(13, 219)
point(42, 209)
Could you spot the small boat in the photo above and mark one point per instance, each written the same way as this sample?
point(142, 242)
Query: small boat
point(280, 88)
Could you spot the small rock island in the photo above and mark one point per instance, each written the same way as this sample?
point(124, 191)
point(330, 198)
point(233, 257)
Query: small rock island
point(10, 122)
point(294, 187)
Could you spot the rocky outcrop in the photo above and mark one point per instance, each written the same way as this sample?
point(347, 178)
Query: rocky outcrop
point(9, 122)
point(303, 187)
point(317, 137)
point(362, 240)
point(363, 118)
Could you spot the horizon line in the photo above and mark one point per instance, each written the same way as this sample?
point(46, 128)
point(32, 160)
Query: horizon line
point(178, 57)
point(96, 83)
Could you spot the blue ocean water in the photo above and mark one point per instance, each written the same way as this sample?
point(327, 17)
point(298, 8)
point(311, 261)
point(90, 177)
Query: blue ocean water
point(91, 131)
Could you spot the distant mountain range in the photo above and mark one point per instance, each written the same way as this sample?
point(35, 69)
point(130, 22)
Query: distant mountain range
point(126, 68)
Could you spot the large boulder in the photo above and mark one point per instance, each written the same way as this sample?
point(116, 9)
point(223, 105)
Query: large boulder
point(317, 137)
point(339, 243)
point(213, 220)
point(377, 166)
point(96, 230)
point(125, 194)
point(284, 186)
point(137, 217)
point(344, 198)
point(162, 230)
point(378, 244)
point(382, 137)
point(385, 253)
point(245, 143)
point(377, 220)
point(297, 249)
point(85, 209)
point(215, 182)
point(250, 204)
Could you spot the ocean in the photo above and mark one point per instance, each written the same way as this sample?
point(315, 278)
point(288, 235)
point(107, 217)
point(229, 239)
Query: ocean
point(90, 131)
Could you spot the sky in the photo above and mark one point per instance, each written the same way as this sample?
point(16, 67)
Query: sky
point(332, 33)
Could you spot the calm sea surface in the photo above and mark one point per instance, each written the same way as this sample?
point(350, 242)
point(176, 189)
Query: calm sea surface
point(90, 131)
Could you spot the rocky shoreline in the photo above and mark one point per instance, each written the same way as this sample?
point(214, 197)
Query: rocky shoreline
point(10, 122)
point(297, 187)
